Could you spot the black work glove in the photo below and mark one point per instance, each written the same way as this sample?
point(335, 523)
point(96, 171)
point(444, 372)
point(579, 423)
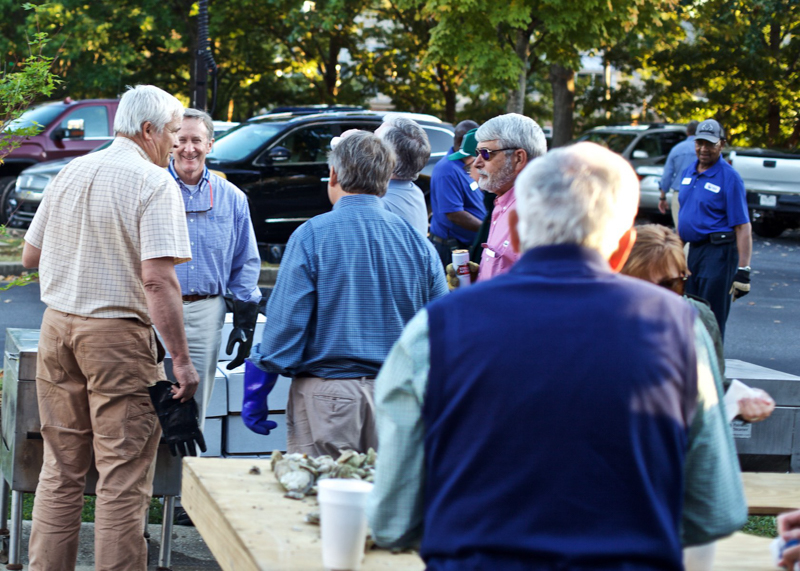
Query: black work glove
point(741, 284)
point(178, 420)
point(245, 315)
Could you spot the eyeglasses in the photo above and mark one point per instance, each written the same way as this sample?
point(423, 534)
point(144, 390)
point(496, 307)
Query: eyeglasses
point(210, 203)
point(486, 154)
point(675, 284)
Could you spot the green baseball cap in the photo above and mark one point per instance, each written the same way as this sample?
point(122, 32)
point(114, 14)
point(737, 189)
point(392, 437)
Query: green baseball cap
point(469, 147)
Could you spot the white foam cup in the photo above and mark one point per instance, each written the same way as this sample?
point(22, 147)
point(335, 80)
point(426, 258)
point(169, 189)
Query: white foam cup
point(343, 522)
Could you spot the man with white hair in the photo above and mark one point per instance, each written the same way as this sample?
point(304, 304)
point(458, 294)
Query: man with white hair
point(412, 150)
point(506, 144)
point(106, 239)
point(555, 427)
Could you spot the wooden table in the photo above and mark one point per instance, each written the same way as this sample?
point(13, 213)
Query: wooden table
point(771, 494)
point(248, 524)
point(743, 552)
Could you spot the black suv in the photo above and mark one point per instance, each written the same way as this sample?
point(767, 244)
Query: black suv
point(280, 162)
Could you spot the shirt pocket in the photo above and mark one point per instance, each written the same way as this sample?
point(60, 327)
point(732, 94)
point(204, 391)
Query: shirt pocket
point(218, 233)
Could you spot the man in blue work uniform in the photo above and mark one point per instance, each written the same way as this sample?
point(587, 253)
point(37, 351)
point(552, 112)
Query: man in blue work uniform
point(350, 280)
point(611, 418)
point(714, 220)
point(224, 255)
point(456, 200)
point(680, 157)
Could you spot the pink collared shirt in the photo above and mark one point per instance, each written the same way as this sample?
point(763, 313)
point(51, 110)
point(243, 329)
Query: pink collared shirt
point(498, 255)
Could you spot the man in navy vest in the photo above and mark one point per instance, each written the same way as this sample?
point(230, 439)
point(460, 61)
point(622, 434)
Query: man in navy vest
point(559, 416)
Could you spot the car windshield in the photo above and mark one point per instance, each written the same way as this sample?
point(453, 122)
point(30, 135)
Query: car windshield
point(240, 142)
point(42, 115)
point(616, 142)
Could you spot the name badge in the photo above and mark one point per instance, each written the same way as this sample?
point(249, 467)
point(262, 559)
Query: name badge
point(473, 185)
point(711, 187)
point(687, 180)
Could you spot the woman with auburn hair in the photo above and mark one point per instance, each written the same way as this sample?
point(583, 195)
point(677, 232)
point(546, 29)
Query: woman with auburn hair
point(657, 257)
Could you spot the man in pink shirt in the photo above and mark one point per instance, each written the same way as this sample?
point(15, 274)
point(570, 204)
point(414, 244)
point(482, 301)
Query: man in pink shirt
point(506, 144)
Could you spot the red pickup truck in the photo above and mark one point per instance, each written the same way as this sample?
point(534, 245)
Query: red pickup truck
point(69, 129)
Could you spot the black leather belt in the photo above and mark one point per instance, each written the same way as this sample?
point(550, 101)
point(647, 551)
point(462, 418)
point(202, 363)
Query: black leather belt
point(716, 238)
point(191, 298)
point(450, 242)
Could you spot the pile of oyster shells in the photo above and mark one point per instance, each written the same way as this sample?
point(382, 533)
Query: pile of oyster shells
point(298, 473)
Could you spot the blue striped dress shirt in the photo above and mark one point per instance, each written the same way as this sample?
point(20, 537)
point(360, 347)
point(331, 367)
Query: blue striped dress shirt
point(350, 280)
point(224, 250)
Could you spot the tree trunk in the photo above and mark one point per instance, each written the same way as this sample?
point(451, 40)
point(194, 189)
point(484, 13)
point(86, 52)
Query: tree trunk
point(774, 107)
point(773, 124)
point(516, 96)
point(450, 105)
point(563, 82)
point(331, 73)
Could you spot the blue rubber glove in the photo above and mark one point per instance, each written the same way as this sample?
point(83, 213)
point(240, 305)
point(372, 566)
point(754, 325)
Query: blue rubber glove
point(257, 385)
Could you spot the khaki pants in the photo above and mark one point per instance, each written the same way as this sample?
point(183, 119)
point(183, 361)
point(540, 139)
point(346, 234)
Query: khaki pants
point(326, 416)
point(91, 378)
point(675, 207)
point(203, 321)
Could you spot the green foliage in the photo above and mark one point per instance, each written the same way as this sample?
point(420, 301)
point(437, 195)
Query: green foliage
point(736, 61)
point(12, 247)
point(763, 526)
point(21, 83)
point(87, 512)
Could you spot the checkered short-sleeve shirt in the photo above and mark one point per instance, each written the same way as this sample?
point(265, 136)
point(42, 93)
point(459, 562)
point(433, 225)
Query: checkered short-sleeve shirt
point(100, 218)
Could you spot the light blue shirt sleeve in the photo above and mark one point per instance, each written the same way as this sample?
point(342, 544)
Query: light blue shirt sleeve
point(394, 508)
point(246, 263)
point(714, 503)
point(669, 171)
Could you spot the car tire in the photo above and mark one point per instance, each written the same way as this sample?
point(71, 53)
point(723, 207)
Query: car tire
point(7, 208)
point(768, 227)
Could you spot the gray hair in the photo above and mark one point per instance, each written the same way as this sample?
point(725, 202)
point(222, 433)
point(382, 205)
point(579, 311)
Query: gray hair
point(363, 163)
point(691, 128)
point(191, 113)
point(581, 194)
point(410, 144)
point(514, 131)
point(145, 103)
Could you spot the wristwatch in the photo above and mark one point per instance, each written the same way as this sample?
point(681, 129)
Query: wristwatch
point(746, 268)
point(662, 197)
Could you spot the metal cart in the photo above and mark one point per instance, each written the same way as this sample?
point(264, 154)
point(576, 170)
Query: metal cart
point(21, 451)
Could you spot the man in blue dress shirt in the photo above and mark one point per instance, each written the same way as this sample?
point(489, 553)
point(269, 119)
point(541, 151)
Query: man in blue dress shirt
point(224, 255)
point(350, 280)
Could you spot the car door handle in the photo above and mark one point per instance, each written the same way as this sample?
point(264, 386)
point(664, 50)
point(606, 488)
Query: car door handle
point(325, 179)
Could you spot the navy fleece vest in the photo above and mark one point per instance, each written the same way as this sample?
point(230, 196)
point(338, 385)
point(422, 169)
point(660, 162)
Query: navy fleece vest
point(557, 417)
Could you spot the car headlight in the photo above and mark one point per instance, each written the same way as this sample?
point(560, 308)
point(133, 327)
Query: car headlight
point(30, 187)
point(32, 182)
